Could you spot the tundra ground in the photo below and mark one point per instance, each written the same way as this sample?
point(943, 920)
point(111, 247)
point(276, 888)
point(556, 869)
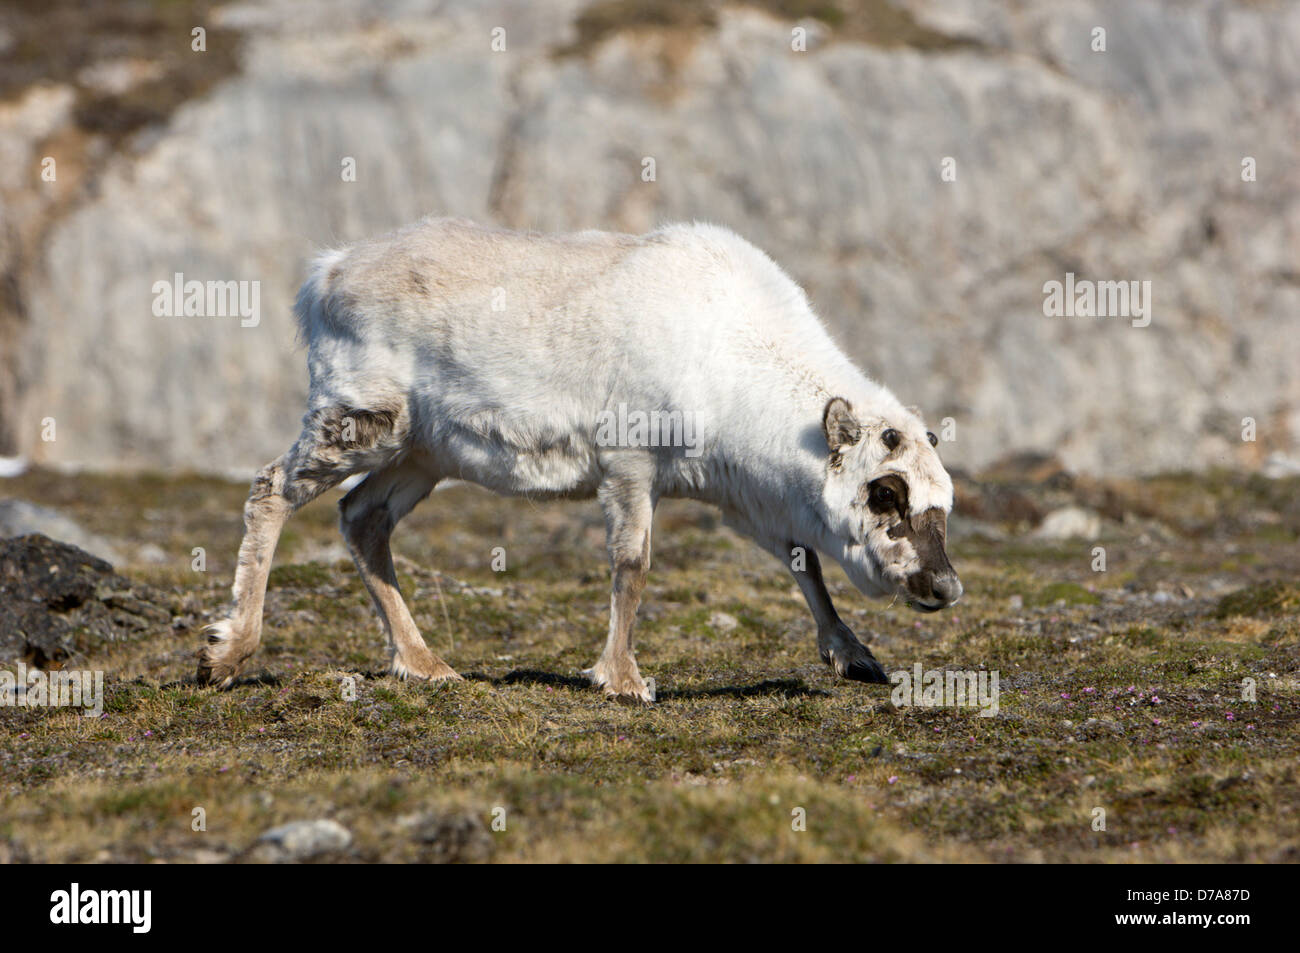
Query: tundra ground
point(1120, 690)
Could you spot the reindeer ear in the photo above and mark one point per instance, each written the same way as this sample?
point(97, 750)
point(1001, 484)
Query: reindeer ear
point(842, 428)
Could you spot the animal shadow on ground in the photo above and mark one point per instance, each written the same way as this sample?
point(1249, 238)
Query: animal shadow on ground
point(787, 687)
point(266, 679)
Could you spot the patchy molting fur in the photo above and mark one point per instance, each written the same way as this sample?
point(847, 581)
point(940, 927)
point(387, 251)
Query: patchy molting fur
point(447, 350)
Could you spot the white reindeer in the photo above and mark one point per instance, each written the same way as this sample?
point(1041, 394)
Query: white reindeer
point(447, 350)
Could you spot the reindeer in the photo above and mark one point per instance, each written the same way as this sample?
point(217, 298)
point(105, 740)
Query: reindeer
point(448, 350)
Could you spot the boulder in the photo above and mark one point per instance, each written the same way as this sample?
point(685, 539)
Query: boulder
point(57, 600)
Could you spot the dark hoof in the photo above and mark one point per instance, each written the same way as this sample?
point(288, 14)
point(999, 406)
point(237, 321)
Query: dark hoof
point(868, 670)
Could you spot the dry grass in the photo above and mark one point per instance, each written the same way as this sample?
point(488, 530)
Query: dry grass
point(1112, 697)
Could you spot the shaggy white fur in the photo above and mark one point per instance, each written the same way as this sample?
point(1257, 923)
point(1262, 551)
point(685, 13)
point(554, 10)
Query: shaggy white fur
point(682, 363)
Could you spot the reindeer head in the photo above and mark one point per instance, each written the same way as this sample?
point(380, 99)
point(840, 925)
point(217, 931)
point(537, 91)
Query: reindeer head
point(886, 501)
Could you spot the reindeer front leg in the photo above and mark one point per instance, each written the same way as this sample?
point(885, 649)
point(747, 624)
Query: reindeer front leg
point(628, 501)
point(838, 646)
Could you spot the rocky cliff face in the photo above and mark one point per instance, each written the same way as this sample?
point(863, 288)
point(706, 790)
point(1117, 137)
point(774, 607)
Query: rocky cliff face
point(1122, 165)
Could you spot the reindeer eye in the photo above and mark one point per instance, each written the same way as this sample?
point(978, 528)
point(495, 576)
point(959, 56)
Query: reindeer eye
point(892, 438)
point(883, 497)
point(934, 441)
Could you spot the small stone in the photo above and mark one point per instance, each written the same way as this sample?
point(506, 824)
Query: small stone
point(152, 554)
point(302, 840)
point(1069, 522)
point(723, 621)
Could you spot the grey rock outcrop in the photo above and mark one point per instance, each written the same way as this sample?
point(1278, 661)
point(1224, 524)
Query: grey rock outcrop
point(1116, 165)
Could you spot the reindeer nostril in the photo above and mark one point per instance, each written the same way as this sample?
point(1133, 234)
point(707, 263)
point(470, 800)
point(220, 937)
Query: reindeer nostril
point(947, 588)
